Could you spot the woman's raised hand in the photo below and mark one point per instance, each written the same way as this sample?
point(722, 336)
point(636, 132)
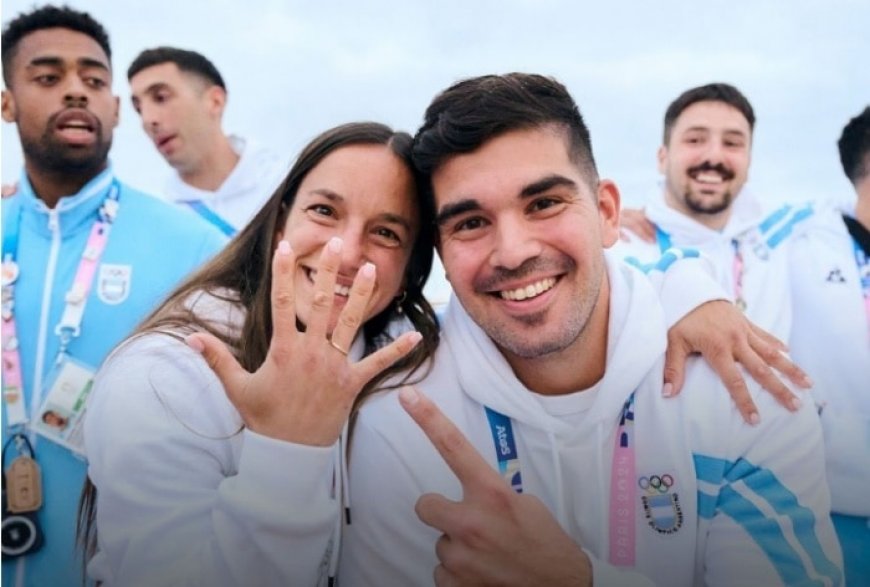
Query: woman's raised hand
point(304, 390)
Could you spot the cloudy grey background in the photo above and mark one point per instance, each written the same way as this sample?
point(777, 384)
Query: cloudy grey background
point(295, 68)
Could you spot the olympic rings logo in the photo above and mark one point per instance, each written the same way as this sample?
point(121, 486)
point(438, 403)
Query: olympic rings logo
point(656, 484)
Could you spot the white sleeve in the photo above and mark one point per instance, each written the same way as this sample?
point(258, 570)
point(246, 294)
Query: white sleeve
point(771, 513)
point(185, 496)
point(683, 279)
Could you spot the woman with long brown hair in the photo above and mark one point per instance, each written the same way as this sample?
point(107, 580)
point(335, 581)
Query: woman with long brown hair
point(195, 482)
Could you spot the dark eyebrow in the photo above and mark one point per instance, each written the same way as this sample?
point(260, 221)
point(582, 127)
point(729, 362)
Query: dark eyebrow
point(455, 209)
point(58, 62)
point(385, 216)
point(548, 183)
point(156, 86)
point(470, 204)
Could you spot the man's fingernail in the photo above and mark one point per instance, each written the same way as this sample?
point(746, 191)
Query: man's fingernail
point(283, 248)
point(368, 270)
point(409, 395)
point(335, 244)
point(796, 403)
point(194, 343)
point(668, 389)
point(754, 419)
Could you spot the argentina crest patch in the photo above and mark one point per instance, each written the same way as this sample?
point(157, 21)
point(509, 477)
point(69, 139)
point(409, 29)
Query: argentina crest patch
point(113, 283)
point(661, 502)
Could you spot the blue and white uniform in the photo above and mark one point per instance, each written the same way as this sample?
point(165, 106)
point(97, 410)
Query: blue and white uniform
point(229, 208)
point(805, 289)
point(741, 505)
point(151, 247)
point(188, 496)
point(750, 253)
point(831, 341)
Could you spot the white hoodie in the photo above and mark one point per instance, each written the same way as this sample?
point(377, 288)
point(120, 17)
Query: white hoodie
point(763, 498)
point(759, 235)
point(251, 182)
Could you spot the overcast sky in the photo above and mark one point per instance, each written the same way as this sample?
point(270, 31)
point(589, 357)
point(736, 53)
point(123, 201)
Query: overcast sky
point(295, 68)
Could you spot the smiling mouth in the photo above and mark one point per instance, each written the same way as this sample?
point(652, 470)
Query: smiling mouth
point(339, 289)
point(529, 291)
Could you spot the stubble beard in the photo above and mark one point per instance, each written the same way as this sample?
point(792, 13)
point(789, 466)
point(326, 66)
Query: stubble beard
point(522, 342)
point(57, 158)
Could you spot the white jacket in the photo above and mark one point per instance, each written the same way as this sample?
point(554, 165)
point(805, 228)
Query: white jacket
point(760, 234)
point(254, 178)
point(806, 291)
point(831, 341)
point(187, 497)
point(754, 500)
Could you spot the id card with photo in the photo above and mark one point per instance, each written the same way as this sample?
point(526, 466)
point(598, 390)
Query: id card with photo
point(60, 419)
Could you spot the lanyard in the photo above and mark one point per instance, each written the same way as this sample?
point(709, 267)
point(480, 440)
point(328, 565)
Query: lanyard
point(622, 474)
point(664, 241)
point(69, 326)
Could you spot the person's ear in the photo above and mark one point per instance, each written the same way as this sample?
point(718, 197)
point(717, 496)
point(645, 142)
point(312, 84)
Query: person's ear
point(216, 100)
point(117, 112)
point(662, 157)
point(10, 112)
point(608, 211)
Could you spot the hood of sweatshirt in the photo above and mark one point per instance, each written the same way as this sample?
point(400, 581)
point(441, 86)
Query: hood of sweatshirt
point(746, 212)
point(637, 339)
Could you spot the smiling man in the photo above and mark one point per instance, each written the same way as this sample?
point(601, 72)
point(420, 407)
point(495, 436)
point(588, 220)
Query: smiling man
point(703, 203)
point(84, 260)
point(181, 96)
point(546, 454)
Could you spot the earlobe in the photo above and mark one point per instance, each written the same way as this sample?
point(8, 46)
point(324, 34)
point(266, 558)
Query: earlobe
point(8, 107)
point(117, 111)
point(608, 209)
point(217, 99)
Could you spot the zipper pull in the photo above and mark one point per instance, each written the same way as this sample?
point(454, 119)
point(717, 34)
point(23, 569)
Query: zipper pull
point(54, 220)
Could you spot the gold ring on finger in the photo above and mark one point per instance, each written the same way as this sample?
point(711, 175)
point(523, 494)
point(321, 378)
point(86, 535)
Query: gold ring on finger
point(338, 348)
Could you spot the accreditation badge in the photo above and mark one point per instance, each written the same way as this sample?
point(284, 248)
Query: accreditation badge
point(60, 419)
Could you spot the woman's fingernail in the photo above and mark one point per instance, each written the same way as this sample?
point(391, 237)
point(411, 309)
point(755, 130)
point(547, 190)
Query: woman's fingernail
point(668, 389)
point(335, 244)
point(194, 343)
point(283, 248)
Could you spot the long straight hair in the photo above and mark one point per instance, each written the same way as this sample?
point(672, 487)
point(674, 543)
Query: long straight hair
point(241, 274)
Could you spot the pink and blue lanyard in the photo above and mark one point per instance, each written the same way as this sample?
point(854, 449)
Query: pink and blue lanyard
point(70, 324)
point(622, 474)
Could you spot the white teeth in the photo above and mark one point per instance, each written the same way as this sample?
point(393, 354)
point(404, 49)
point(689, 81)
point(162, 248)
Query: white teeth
point(709, 178)
point(529, 291)
point(342, 290)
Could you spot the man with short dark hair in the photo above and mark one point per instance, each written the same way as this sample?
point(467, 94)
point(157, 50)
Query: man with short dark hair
point(544, 453)
point(84, 260)
point(703, 203)
point(180, 97)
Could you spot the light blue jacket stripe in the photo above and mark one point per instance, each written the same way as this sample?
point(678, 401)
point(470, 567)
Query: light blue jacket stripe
point(665, 261)
point(709, 469)
point(765, 485)
point(768, 534)
point(706, 505)
point(211, 216)
point(786, 229)
point(774, 218)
